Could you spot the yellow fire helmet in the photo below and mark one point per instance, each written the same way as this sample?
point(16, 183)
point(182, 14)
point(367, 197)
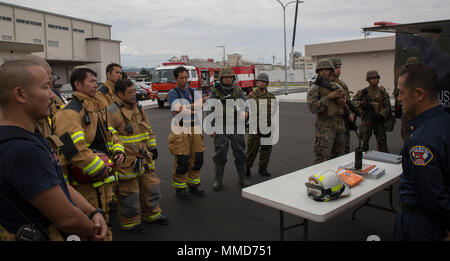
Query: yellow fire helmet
point(326, 186)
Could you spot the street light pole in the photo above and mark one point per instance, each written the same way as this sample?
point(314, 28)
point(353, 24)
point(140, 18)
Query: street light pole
point(285, 56)
point(222, 46)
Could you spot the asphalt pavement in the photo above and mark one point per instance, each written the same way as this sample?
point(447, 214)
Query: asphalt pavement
point(227, 216)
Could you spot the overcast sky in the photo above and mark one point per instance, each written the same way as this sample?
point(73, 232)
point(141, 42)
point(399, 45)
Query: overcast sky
point(153, 31)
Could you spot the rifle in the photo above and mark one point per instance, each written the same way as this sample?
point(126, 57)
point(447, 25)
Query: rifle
point(228, 96)
point(320, 81)
point(368, 108)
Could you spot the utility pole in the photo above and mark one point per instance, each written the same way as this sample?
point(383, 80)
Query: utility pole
point(293, 36)
point(285, 55)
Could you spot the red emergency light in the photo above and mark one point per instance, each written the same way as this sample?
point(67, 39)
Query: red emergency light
point(384, 23)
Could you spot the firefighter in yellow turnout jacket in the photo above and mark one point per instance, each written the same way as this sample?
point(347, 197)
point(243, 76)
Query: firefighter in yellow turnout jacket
point(187, 147)
point(83, 128)
point(105, 93)
point(139, 191)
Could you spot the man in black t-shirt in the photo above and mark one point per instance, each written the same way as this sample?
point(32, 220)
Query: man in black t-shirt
point(32, 187)
point(26, 170)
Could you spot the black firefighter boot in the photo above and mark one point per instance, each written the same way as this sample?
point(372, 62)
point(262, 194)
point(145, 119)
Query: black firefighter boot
point(181, 193)
point(196, 190)
point(248, 173)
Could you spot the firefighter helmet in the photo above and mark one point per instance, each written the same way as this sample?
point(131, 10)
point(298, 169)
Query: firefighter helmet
point(372, 74)
point(326, 186)
point(263, 77)
point(81, 177)
point(325, 63)
point(226, 72)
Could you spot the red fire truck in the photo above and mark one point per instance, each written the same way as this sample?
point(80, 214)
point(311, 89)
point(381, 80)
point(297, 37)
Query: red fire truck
point(199, 78)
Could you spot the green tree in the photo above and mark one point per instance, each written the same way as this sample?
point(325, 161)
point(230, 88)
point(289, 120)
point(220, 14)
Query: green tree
point(144, 72)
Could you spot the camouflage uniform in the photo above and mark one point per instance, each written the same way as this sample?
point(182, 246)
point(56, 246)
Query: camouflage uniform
point(381, 103)
point(254, 140)
point(405, 130)
point(222, 141)
point(330, 124)
point(342, 85)
point(339, 83)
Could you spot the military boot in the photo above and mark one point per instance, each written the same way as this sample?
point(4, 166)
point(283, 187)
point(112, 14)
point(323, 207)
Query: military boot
point(244, 183)
point(163, 220)
point(181, 193)
point(248, 174)
point(196, 190)
point(264, 172)
point(217, 185)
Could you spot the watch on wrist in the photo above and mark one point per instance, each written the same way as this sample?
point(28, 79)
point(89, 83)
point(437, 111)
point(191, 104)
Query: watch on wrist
point(97, 210)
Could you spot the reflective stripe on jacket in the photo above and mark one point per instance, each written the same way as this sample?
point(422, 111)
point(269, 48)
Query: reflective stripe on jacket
point(141, 138)
point(72, 120)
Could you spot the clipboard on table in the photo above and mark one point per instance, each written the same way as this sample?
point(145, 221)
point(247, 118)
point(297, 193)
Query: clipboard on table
point(382, 156)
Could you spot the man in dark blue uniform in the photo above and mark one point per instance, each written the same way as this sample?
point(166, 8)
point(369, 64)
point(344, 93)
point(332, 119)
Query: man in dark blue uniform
point(33, 192)
point(425, 183)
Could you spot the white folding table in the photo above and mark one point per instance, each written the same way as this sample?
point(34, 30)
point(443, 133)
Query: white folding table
point(287, 193)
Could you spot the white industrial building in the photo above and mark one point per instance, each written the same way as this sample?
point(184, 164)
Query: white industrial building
point(358, 57)
point(65, 42)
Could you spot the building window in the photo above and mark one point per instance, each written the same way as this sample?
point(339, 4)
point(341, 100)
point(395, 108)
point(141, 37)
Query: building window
point(5, 18)
point(37, 41)
point(78, 30)
point(58, 27)
point(53, 43)
point(22, 21)
point(6, 37)
point(193, 74)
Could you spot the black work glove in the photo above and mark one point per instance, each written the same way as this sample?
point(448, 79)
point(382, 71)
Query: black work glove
point(154, 153)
